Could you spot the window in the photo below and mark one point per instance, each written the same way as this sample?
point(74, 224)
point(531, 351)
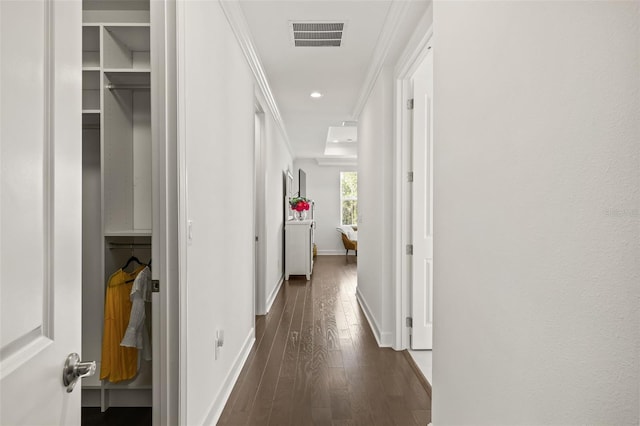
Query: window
point(349, 198)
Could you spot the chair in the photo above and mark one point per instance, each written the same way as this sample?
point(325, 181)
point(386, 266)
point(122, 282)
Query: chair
point(349, 236)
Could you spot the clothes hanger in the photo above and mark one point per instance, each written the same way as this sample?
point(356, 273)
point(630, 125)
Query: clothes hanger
point(131, 259)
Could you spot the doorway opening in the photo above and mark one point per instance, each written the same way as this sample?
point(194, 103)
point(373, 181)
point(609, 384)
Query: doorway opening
point(259, 212)
point(129, 211)
point(414, 198)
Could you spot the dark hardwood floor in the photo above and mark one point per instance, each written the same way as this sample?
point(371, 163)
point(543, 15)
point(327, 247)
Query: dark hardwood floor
point(316, 362)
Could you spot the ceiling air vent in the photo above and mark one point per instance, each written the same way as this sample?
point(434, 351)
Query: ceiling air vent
point(317, 34)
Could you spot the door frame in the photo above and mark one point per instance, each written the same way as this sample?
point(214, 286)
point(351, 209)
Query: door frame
point(259, 190)
point(403, 91)
point(165, 303)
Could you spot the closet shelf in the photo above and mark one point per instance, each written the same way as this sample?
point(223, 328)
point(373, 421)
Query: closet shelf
point(134, 37)
point(121, 24)
point(129, 233)
point(90, 68)
point(117, 386)
point(90, 119)
point(127, 70)
point(128, 77)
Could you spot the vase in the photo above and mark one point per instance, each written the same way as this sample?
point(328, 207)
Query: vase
point(300, 215)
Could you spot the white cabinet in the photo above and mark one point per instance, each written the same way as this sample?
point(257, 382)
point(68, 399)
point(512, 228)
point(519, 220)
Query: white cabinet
point(299, 248)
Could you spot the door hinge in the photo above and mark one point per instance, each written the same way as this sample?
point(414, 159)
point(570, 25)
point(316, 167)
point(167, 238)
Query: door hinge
point(410, 103)
point(410, 177)
point(409, 321)
point(410, 249)
point(155, 286)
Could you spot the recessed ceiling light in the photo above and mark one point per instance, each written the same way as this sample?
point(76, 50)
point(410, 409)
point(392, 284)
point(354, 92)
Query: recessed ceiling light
point(316, 95)
point(335, 141)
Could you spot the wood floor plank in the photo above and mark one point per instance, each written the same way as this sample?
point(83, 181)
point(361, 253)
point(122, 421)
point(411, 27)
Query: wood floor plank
point(315, 361)
point(301, 405)
point(283, 397)
point(249, 379)
point(340, 405)
point(321, 416)
point(263, 401)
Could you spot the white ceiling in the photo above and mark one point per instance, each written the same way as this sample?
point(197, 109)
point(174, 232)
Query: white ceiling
point(339, 73)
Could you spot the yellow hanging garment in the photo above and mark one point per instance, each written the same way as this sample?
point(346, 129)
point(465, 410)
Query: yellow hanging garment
point(118, 362)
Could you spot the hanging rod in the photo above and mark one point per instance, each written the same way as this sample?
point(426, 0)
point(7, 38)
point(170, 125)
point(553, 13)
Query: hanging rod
point(112, 86)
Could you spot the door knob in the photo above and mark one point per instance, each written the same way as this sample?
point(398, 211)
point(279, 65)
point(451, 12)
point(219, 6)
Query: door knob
point(74, 369)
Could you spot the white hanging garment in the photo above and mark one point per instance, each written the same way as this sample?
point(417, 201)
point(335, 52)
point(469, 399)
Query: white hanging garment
point(136, 335)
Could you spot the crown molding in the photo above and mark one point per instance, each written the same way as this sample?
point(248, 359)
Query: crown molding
point(397, 10)
point(240, 28)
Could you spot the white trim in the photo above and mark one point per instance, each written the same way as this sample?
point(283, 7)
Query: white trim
point(416, 48)
point(381, 338)
point(215, 410)
point(257, 103)
point(411, 58)
point(273, 295)
point(395, 16)
point(333, 161)
point(386, 339)
point(165, 307)
point(259, 218)
point(49, 202)
point(182, 205)
point(401, 224)
point(238, 23)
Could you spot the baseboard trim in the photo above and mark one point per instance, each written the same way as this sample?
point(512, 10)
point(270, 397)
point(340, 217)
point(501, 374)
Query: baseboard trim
point(386, 339)
point(273, 295)
point(421, 378)
point(215, 411)
point(380, 337)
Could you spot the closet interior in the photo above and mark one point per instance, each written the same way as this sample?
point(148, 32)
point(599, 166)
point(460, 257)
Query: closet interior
point(117, 175)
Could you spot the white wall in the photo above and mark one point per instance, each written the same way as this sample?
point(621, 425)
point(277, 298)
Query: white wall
point(216, 136)
point(536, 213)
point(323, 187)
point(375, 177)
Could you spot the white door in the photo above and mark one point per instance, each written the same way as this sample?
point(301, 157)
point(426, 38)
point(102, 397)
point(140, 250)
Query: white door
point(422, 206)
point(40, 209)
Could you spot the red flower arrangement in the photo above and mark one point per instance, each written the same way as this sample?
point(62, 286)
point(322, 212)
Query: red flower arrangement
point(299, 203)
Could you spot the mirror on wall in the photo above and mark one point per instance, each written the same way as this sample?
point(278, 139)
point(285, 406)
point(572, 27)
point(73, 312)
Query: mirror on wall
point(302, 183)
point(288, 178)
